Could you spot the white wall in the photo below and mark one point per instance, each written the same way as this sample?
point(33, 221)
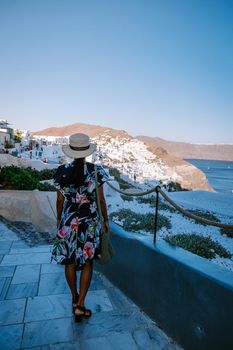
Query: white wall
point(37, 207)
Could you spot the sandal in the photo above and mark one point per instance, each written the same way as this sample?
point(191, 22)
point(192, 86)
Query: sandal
point(78, 317)
point(87, 312)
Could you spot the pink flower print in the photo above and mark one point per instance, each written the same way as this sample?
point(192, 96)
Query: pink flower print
point(88, 250)
point(93, 207)
point(91, 186)
point(81, 198)
point(74, 225)
point(64, 231)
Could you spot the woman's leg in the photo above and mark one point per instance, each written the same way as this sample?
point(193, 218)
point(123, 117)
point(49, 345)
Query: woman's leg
point(71, 278)
point(85, 280)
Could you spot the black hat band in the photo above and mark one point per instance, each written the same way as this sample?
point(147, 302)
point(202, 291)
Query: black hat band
point(79, 148)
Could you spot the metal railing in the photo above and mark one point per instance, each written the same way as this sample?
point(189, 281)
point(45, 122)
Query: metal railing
point(158, 191)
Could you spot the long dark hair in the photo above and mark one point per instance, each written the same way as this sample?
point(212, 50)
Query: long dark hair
point(77, 175)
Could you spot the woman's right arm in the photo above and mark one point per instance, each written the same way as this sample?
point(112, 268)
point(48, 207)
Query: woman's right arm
point(60, 201)
point(104, 208)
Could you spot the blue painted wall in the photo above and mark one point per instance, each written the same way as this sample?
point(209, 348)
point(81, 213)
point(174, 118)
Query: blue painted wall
point(190, 298)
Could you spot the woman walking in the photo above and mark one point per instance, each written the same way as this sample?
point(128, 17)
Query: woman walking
point(77, 242)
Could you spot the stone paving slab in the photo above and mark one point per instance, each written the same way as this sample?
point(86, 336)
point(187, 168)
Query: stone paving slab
point(2, 283)
point(53, 283)
point(19, 244)
point(5, 244)
point(7, 271)
point(4, 251)
point(10, 336)
point(25, 259)
point(26, 274)
point(24, 250)
point(51, 268)
point(122, 341)
point(47, 332)
point(6, 234)
point(5, 288)
point(107, 322)
point(12, 311)
point(22, 290)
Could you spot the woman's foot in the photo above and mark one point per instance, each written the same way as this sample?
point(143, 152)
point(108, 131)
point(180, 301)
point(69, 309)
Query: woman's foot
point(78, 313)
point(75, 302)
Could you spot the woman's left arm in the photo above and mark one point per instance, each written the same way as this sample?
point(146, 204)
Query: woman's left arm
point(60, 201)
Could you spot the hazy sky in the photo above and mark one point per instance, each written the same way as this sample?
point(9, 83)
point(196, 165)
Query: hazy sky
point(153, 67)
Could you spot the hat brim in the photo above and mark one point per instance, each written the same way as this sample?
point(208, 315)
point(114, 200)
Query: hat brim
point(78, 154)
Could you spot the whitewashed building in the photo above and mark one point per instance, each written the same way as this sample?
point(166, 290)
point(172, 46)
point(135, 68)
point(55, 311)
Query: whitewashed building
point(6, 133)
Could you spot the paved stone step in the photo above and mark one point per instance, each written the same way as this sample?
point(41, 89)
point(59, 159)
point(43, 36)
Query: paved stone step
point(27, 232)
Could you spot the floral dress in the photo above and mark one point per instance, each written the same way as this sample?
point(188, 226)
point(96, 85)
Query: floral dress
point(78, 236)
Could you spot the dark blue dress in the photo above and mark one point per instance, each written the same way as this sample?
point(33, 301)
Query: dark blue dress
point(78, 236)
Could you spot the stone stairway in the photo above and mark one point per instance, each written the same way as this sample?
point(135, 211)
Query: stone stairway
point(35, 303)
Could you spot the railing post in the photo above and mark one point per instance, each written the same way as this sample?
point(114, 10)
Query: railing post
point(156, 211)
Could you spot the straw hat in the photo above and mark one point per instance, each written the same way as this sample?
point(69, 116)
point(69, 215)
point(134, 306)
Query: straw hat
point(79, 146)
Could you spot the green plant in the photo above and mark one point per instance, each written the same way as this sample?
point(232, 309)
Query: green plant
point(16, 178)
point(205, 215)
point(227, 232)
point(147, 200)
point(45, 187)
point(152, 201)
point(202, 246)
point(8, 145)
point(173, 186)
point(116, 173)
point(140, 222)
point(126, 198)
point(45, 174)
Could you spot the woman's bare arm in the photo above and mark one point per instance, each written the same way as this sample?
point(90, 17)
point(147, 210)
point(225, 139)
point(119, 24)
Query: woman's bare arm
point(104, 208)
point(60, 201)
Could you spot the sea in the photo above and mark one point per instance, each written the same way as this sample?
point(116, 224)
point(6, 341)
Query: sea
point(219, 173)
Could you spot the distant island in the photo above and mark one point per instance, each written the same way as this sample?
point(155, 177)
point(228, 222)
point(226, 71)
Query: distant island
point(187, 150)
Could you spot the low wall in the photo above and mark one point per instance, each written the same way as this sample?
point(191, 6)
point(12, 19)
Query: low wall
point(30, 206)
point(188, 296)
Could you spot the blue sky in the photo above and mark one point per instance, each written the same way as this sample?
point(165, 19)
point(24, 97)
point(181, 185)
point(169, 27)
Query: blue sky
point(157, 68)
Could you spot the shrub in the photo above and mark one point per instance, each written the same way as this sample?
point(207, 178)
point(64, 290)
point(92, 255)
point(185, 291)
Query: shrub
point(46, 187)
point(227, 232)
point(116, 173)
point(140, 222)
point(202, 246)
point(173, 186)
point(126, 198)
point(8, 145)
point(205, 215)
point(46, 174)
point(147, 200)
point(152, 201)
point(16, 178)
